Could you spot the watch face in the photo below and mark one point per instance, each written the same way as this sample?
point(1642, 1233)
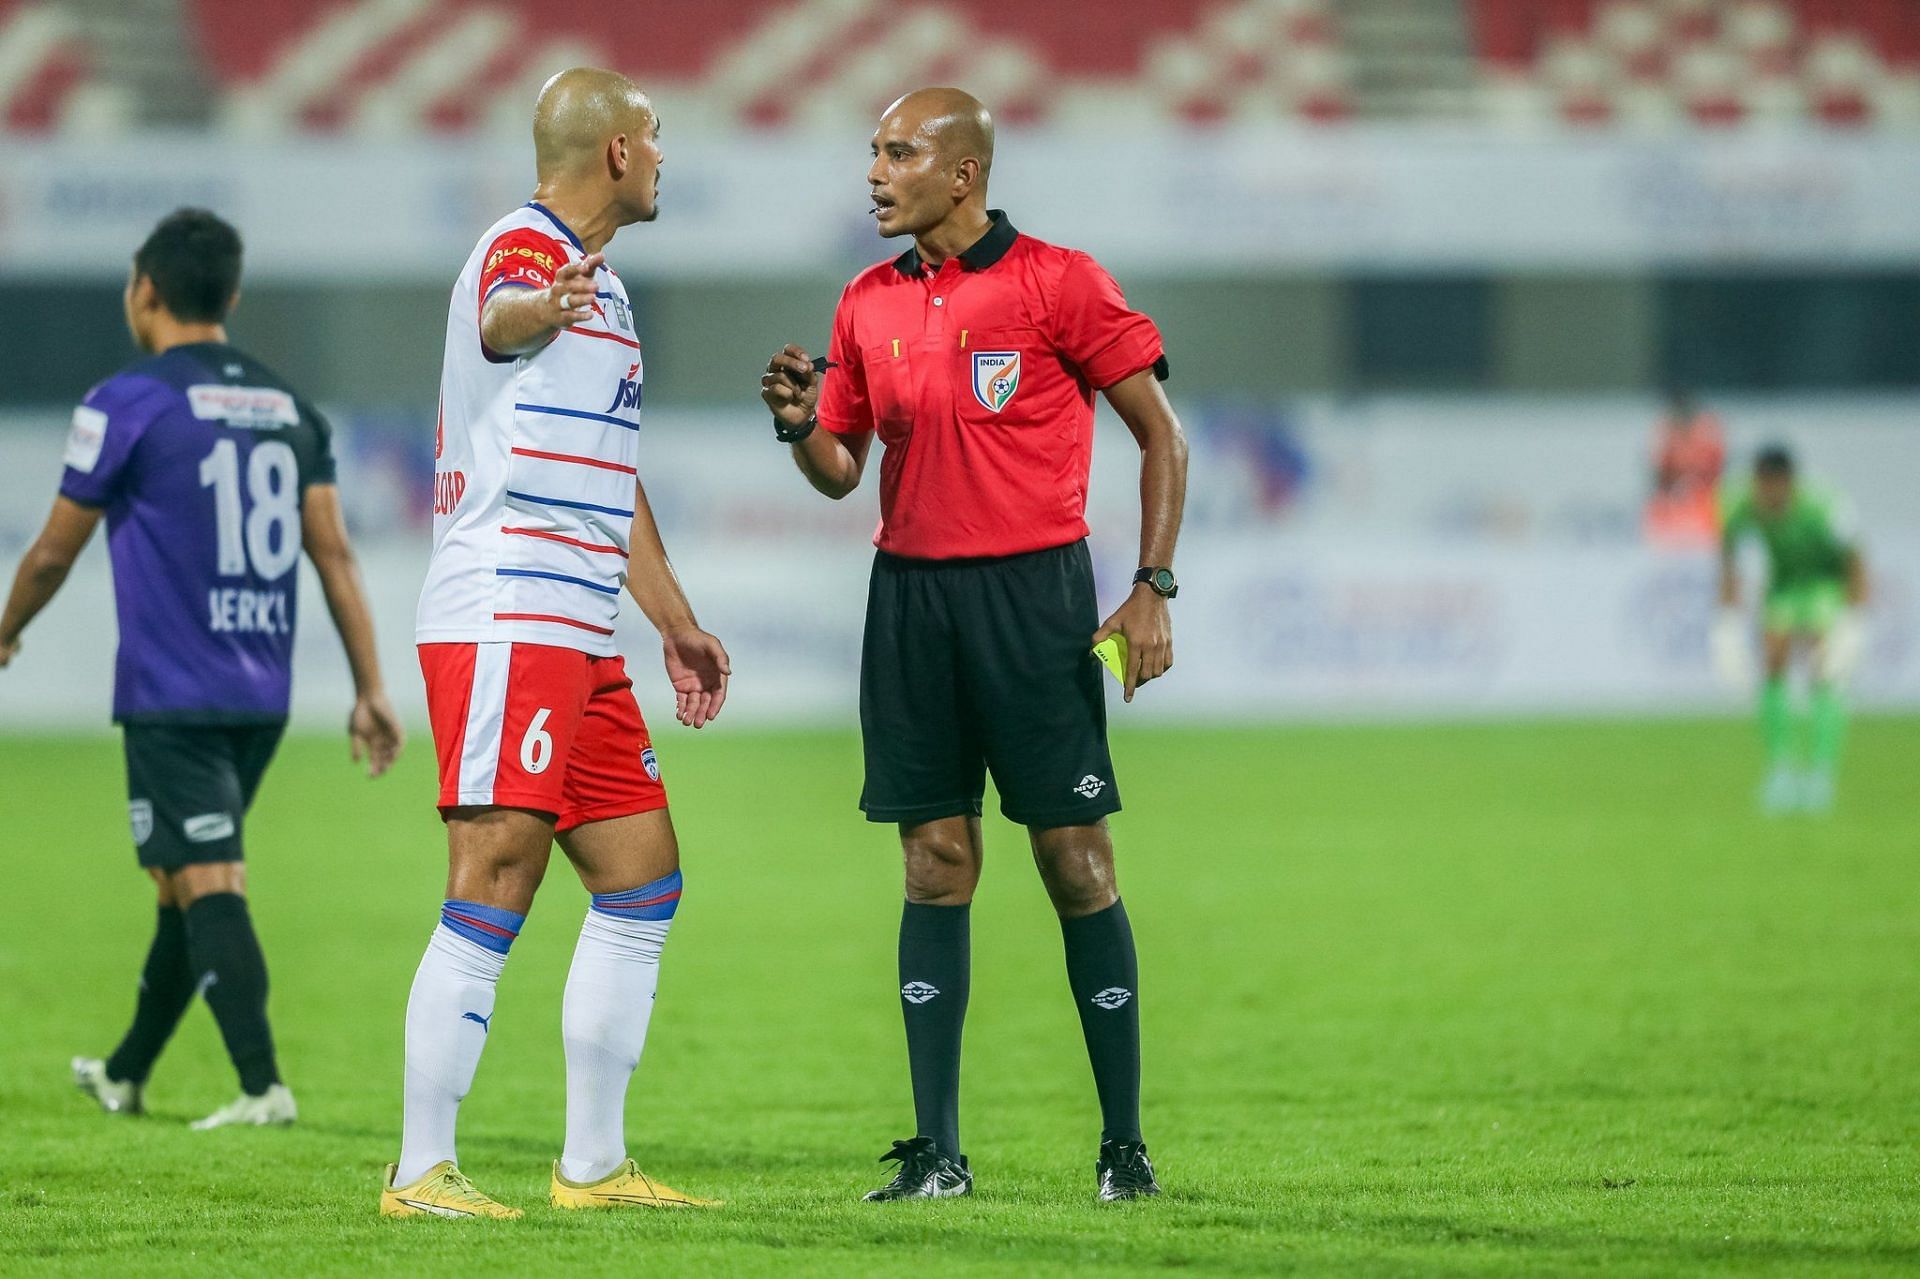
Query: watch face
point(1163, 580)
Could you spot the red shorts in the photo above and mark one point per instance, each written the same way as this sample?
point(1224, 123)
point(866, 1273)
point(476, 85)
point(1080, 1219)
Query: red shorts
point(534, 726)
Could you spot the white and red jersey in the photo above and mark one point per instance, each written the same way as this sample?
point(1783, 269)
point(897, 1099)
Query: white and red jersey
point(534, 458)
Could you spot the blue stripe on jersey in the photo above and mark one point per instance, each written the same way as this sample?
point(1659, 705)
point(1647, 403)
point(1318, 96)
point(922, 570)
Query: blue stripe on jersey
point(556, 577)
point(591, 417)
point(551, 217)
point(576, 506)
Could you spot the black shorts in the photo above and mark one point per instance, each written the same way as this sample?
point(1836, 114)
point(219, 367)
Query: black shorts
point(971, 665)
point(189, 787)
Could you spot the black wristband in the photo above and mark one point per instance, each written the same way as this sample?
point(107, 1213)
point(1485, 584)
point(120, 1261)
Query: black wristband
point(793, 434)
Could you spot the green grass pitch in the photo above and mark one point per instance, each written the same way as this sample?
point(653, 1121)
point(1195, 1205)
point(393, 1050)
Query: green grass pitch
point(1502, 999)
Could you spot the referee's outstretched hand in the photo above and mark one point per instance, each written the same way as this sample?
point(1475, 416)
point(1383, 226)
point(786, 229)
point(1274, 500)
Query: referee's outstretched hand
point(1144, 620)
point(790, 386)
point(698, 667)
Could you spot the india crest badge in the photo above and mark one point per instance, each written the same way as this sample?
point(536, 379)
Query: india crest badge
point(996, 376)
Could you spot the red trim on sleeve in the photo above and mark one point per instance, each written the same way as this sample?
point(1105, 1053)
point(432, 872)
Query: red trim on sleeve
point(520, 258)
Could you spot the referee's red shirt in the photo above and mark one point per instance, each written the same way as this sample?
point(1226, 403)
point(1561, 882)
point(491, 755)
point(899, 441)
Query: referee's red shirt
point(979, 379)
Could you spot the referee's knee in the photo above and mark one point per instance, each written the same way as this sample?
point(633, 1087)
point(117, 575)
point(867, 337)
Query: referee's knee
point(1076, 865)
point(942, 863)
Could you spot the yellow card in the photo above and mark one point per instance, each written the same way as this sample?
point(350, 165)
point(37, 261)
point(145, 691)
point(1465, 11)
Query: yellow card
point(1112, 652)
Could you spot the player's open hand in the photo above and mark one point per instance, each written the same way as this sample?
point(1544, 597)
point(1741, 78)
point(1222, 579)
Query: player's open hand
point(790, 386)
point(1144, 620)
point(375, 732)
point(572, 292)
point(698, 667)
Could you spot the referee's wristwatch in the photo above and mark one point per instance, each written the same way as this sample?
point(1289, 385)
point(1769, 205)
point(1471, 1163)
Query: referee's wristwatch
point(1161, 580)
point(793, 434)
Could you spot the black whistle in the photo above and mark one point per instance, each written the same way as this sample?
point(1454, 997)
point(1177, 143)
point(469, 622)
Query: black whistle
point(820, 365)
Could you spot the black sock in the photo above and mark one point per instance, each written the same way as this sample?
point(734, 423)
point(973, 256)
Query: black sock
point(232, 973)
point(166, 988)
point(1105, 978)
point(934, 974)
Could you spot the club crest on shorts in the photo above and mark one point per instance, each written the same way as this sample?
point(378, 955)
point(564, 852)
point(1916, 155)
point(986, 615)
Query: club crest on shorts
point(650, 762)
point(140, 817)
point(996, 376)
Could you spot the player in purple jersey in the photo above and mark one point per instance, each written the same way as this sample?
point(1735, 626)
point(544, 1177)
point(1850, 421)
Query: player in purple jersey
point(213, 477)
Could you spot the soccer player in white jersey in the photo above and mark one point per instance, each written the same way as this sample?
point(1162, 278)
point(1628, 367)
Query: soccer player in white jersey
point(539, 522)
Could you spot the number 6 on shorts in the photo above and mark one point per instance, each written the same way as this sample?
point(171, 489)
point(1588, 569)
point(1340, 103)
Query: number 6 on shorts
point(536, 748)
point(535, 726)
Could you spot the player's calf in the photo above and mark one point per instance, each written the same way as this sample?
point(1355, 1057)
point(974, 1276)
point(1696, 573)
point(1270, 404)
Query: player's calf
point(449, 1017)
point(603, 1024)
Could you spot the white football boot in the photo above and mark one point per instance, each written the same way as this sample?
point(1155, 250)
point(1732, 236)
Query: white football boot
point(1781, 791)
point(274, 1106)
point(90, 1077)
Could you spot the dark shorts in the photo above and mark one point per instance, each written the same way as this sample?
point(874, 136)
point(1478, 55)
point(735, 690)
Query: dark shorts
point(978, 665)
point(189, 787)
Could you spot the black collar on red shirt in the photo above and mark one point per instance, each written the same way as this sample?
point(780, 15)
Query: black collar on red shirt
point(983, 253)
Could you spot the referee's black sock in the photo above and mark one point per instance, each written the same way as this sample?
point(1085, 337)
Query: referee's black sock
point(232, 974)
point(935, 968)
point(1105, 977)
point(166, 988)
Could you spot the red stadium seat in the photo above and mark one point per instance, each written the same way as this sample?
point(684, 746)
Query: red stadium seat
point(450, 64)
point(45, 59)
point(1716, 62)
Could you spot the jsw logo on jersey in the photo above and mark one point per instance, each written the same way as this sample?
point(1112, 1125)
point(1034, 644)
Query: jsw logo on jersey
point(628, 392)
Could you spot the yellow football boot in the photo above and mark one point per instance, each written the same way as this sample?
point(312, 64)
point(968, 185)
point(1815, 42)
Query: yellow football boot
point(625, 1187)
point(443, 1192)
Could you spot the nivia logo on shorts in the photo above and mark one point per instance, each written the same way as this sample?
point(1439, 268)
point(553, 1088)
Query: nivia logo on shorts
point(918, 992)
point(1112, 997)
point(140, 817)
point(650, 762)
point(1089, 786)
point(207, 827)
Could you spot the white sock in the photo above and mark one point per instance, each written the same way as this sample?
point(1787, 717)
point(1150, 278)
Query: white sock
point(448, 1017)
point(603, 1023)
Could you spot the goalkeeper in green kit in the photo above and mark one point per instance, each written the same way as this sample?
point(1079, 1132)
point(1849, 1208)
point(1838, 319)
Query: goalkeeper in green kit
point(1816, 584)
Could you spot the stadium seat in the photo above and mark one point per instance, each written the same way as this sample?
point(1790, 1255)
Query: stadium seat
point(1714, 62)
point(390, 65)
point(44, 60)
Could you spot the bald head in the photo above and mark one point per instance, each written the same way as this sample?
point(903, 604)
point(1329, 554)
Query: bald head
point(950, 121)
point(578, 112)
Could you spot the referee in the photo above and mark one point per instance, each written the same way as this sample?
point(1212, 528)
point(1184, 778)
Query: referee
point(974, 357)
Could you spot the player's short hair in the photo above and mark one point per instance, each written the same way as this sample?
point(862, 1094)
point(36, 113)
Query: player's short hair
point(1774, 459)
point(193, 259)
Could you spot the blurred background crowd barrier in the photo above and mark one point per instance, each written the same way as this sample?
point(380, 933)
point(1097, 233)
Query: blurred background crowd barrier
point(1430, 273)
